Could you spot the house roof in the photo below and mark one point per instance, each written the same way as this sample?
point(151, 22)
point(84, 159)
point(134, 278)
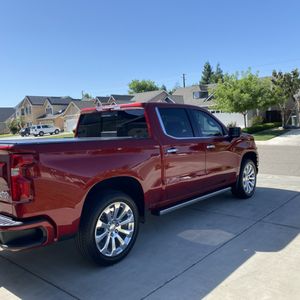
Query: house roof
point(188, 98)
point(122, 98)
point(177, 98)
point(102, 99)
point(36, 100)
point(85, 104)
point(61, 100)
point(5, 113)
point(152, 96)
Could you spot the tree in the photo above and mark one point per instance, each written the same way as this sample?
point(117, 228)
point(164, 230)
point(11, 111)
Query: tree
point(285, 87)
point(217, 76)
point(207, 73)
point(163, 87)
point(15, 125)
point(87, 96)
point(139, 86)
point(242, 94)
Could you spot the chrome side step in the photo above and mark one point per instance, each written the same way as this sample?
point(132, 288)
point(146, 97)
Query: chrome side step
point(192, 201)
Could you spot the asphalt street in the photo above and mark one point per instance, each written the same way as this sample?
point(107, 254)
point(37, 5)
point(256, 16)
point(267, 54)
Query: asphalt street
point(221, 248)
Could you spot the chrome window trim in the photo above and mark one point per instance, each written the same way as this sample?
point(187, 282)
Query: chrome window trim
point(182, 138)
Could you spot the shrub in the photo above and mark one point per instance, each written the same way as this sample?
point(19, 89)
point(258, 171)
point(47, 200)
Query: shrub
point(257, 120)
point(260, 127)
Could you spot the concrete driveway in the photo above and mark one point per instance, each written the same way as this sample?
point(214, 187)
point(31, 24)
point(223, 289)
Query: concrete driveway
point(219, 248)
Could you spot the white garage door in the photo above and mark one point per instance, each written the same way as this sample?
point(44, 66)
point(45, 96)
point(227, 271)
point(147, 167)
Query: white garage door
point(70, 124)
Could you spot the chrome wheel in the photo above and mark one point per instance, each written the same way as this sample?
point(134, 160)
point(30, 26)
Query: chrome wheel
point(249, 178)
point(114, 229)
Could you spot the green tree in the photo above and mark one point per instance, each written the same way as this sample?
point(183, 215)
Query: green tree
point(218, 75)
point(240, 94)
point(139, 86)
point(285, 87)
point(163, 87)
point(15, 125)
point(87, 96)
point(207, 73)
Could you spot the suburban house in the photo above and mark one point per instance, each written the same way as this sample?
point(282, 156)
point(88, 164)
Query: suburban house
point(43, 110)
point(202, 96)
point(72, 112)
point(6, 114)
point(152, 96)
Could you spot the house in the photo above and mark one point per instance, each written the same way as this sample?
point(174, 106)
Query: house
point(152, 96)
point(43, 110)
point(72, 112)
point(202, 96)
point(6, 114)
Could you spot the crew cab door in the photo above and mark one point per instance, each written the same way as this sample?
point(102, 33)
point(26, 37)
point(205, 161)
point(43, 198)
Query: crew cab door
point(221, 161)
point(183, 155)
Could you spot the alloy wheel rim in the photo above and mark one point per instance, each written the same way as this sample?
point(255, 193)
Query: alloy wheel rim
point(114, 229)
point(249, 178)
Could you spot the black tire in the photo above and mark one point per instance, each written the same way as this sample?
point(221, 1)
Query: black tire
point(35, 135)
point(86, 237)
point(239, 189)
point(56, 131)
point(41, 133)
point(51, 133)
point(27, 134)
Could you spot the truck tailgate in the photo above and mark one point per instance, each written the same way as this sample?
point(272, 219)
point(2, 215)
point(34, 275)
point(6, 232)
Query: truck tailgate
point(5, 197)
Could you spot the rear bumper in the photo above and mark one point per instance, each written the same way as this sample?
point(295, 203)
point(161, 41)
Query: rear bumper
point(18, 235)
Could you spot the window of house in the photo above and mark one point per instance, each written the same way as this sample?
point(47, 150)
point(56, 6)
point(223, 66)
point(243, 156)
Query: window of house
point(123, 123)
point(207, 126)
point(200, 94)
point(176, 122)
point(49, 110)
point(22, 112)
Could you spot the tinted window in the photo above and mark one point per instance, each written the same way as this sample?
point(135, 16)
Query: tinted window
point(176, 122)
point(207, 126)
point(39, 127)
point(127, 123)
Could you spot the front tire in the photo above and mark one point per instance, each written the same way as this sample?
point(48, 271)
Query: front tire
point(108, 228)
point(41, 133)
point(246, 182)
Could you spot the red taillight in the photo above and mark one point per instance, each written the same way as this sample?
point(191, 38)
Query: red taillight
point(22, 173)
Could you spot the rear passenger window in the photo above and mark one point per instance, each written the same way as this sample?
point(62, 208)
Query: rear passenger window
point(207, 126)
point(176, 122)
point(122, 123)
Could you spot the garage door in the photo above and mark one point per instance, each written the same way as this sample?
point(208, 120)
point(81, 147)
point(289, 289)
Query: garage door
point(70, 124)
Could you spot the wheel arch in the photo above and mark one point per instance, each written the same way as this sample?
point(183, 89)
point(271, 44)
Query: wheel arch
point(251, 155)
point(126, 184)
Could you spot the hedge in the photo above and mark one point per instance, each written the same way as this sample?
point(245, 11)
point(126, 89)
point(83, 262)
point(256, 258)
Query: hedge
point(261, 127)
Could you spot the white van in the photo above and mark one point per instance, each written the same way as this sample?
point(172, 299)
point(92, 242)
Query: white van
point(43, 129)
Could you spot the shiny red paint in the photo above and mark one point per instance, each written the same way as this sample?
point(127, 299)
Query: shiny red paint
point(67, 169)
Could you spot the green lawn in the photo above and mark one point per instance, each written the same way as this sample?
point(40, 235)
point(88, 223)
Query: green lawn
point(268, 134)
point(6, 135)
point(64, 135)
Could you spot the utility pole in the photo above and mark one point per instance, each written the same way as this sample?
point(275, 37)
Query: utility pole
point(183, 79)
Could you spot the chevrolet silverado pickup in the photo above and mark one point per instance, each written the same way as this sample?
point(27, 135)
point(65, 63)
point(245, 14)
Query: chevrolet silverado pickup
point(124, 161)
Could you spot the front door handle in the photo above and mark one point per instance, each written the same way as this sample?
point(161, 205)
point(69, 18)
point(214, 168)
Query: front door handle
point(210, 146)
point(172, 150)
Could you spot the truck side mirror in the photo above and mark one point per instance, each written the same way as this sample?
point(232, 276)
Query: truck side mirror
point(234, 132)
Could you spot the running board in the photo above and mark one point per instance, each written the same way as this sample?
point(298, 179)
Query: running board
point(192, 201)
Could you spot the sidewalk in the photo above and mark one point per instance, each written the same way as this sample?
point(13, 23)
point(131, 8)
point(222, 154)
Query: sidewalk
point(290, 138)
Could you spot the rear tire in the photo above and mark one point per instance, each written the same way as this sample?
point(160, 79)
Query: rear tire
point(246, 182)
point(108, 229)
point(56, 131)
point(41, 133)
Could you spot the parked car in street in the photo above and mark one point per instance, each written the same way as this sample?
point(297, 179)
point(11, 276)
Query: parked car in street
point(25, 131)
point(124, 161)
point(44, 129)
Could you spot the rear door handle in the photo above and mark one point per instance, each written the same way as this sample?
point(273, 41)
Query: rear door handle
point(172, 150)
point(210, 146)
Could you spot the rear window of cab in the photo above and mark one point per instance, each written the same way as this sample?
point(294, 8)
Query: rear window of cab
point(129, 123)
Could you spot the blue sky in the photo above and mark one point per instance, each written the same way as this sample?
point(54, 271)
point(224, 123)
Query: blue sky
point(66, 46)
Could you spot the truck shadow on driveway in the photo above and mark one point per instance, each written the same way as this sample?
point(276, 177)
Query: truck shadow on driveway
point(185, 254)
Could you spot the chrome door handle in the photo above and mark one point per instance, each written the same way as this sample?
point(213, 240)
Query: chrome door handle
point(172, 150)
point(210, 146)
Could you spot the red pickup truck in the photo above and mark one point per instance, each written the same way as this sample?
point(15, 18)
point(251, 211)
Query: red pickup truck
point(124, 161)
